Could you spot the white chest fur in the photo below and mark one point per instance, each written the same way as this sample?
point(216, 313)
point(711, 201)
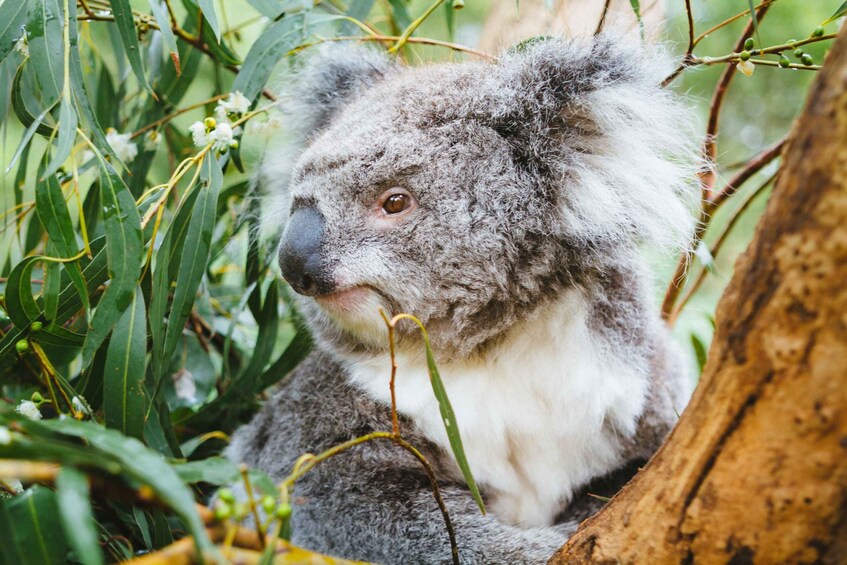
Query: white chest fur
point(531, 412)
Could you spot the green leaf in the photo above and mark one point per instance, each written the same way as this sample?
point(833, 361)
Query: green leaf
point(54, 216)
point(636, 7)
point(700, 351)
point(271, 9)
point(20, 305)
point(401, 13)
point(838, 13)
point(122, 11)
point(450, 424)
point(125, 253)
point(165, 27)
point(214, 470)
point(124, 402)
point(50, 289)
point(31, 529)
point(67, 136)
point(196, 246)
point(80, 91)
point(276, 41)
point(73, 496)
point(211, 17)
point(46, 49)
point(135, 463)
point(12, 18)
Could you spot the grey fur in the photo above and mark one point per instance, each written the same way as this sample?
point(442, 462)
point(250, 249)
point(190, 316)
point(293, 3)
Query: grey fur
point(535, 175)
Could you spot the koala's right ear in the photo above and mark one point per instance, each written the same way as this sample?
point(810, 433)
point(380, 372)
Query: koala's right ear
point(326, 78)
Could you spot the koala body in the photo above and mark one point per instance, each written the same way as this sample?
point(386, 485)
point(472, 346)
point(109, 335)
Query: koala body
point(503, 204)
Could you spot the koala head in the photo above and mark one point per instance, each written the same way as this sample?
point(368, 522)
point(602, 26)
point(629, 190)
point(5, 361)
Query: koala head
point(470, 195)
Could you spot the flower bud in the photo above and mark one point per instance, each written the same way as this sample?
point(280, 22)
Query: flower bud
point(22, 346)
point(749, 44)
point(818, 32)
point(784, 62)
point(807, 60)
point(210, 122)
point(226, 495)
point(799, 52)
point(222, 510)
point(35, 326)
point(268, 503)
point(744, 55)
point(283, 511)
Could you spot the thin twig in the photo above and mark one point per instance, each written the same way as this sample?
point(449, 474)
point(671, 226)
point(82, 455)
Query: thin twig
point(395, 424)
point(603, 15)
point(716, 248)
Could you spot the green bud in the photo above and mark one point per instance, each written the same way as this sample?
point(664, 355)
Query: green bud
point(749, 44)
point(458, 4)
point(818, 31)
point(799, 52)
point(37, 398)
point(233, 144)
point(283, 511)
point(807, 60)
point(226, 495)
point(784, 62)
point(22, 346)
point(268, 503)
point(791, 41)
point(744, 55)
point(210, 122)
point(35, 326)
point(222, 510)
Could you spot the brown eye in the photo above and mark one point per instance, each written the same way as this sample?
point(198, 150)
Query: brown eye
point(397, 203)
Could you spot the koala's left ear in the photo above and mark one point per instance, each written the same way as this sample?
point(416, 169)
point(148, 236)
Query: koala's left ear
point(590, 119)
point(327, 78)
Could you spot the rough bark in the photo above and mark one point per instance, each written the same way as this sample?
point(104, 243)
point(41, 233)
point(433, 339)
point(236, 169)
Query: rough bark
point(756, 470)
point(509, 22)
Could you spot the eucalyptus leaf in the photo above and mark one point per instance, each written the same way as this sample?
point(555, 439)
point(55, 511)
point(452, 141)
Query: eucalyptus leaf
point(73, 496)
point(122, 10)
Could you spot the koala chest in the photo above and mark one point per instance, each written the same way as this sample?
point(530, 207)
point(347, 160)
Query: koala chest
point(539, 417)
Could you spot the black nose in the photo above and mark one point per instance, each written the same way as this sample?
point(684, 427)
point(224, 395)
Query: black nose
point(300, 254)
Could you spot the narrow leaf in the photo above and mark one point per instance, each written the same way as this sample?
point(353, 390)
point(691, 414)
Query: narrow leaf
point(842, 9)
point(125, 253)
point(167, 33)
point(124, 401)
point(31, 529)
point(73, 496)
point(46, 49)
point(66, 138)
point(211, 17)
point(122, 11)
point(12, 18)
point(20, 305)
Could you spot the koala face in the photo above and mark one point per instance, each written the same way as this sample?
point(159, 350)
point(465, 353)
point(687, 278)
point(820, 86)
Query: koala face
point(461, 194)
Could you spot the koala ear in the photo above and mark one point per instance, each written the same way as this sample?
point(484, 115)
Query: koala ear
point(325, 79)
point(590, 121)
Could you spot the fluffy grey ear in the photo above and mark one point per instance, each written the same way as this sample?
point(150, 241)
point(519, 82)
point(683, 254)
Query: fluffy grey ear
point(590, 119)
point(326, 78)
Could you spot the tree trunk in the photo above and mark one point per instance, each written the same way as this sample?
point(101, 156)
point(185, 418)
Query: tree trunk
point(756, 470)
point(509, 22)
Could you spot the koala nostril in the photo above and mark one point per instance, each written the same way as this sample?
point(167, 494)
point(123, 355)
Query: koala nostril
point(308, 286)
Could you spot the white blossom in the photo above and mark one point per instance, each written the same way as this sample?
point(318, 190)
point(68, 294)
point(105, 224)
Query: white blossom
point(199, 135)
point(236, 103)
point(223, 136)
point(746, 67)
point(152, 140)
point(125, 149)
point(29, 409)
point(267, 128)
point(21, 46)
point(5, 436)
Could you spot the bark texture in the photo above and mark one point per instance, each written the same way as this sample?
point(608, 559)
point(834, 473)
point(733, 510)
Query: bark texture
point(509, 22)
point(756, 470)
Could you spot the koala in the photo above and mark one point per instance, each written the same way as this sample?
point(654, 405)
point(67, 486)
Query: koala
point(506, 205)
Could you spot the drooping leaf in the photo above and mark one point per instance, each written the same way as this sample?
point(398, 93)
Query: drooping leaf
point(20, 304)
point(73, 496)
point(32, 529)
point(46, 49)
point(699, 350)
point(66, 137)
point(56, 219)
point(755, 18)
point(211, 17)
point(167, 33)
point(214, 470)
point(122, 10)
point(124, 251)
point(124, 402)
point(277, 40)
point(12, 18)
point(400, 13)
